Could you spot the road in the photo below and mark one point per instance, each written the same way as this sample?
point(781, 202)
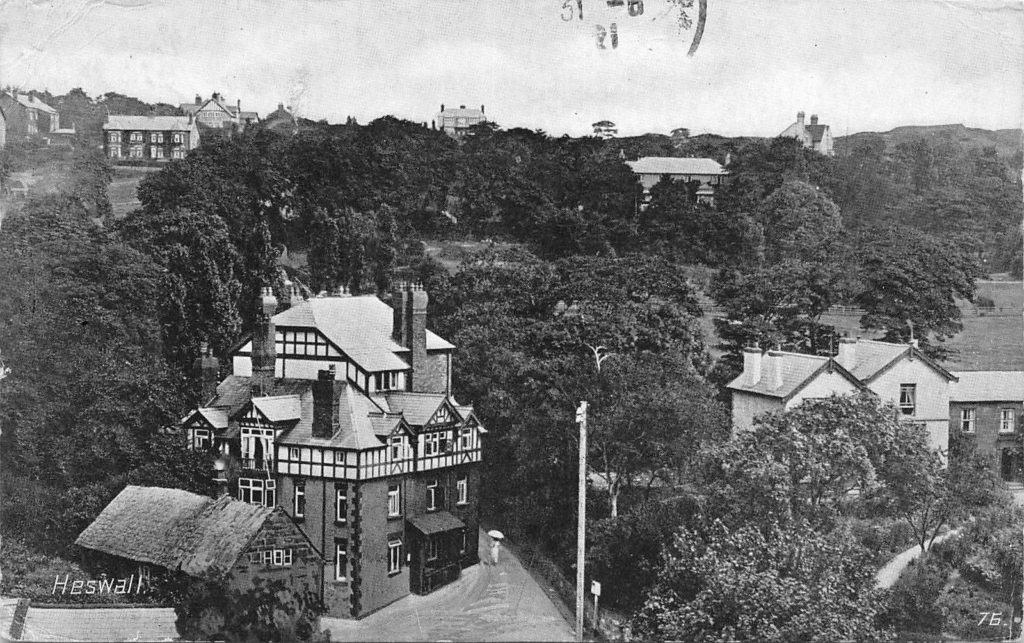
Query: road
point(487, 603)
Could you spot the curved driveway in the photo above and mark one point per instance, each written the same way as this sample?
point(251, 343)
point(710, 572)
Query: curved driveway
point(487, 603)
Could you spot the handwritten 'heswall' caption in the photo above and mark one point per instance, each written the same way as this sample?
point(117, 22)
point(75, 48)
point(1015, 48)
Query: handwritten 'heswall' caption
point(608, 37)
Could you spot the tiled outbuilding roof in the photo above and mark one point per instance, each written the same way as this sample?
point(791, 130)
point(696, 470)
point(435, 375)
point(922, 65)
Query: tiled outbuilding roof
point(988, 386)
point(175, 529)
point(675, 165)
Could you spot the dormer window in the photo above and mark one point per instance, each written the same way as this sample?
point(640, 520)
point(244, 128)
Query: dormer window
point(387, 381)
point(397, 447)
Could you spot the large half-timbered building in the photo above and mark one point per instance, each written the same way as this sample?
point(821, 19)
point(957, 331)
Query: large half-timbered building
point(339, 410)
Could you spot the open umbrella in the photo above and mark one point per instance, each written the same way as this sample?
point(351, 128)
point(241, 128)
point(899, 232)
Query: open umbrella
point(495, 534)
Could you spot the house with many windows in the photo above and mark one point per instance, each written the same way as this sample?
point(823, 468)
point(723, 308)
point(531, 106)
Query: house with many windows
point(706, 174)
point(147, 531)
point(339, 410)
point(149, 138)
point(988, 408)
point(457, 122)
point(897, 373)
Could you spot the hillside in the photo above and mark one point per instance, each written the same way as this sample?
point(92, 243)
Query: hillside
point(1007, 142)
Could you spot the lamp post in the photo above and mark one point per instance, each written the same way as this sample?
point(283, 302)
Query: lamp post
point(581, 518)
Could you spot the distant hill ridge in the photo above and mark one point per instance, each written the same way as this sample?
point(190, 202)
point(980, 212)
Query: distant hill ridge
point(1006, 141)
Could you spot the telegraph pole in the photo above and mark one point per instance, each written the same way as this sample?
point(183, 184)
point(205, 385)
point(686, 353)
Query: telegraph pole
point(581, 518)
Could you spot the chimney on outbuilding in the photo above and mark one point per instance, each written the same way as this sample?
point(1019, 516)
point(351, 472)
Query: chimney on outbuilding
point(264, 345)
point(774, 371)
point(206, 369)
point(847, 352)
point(326, 393)
point(752, 365)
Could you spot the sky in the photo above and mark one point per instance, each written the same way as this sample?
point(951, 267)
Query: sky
point(861, 65)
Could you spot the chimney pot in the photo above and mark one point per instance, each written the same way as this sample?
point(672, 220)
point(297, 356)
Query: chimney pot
point(442, 107)
point(752, 365)
point(268, 301)
point(847, 352)
point(775, 368)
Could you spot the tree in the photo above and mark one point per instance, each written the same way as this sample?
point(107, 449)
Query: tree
point(640, 434)
point(752, 584)
point(930, 495)
point(801, 464)
point(777, 297)
point(909, 276)
point(268, 610)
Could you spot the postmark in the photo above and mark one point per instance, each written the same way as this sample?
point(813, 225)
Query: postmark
point(611, 17)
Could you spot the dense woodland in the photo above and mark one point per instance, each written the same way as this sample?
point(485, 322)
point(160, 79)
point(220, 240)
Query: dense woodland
point(102, 318)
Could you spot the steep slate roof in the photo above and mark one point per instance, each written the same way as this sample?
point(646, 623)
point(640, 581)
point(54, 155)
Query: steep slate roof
point(359, 326)
point(279, 408)
point(797, 370)
point(674, 165)
point(148, 123)
point(235, 391)
point(988, 386)
point(871, 357)
point(32, 102)
point(417, 408)
point(816, 132)
point(356, 429)
point(217, 417)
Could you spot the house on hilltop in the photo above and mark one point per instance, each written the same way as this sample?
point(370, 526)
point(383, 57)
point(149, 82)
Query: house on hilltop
point(708, 173)
point(151, 530)
point(988, 407)
point(153, 138)
point(26, 115)
point(605, 129)
point(815, 136)
point(218, 114)
point(281, 120)
point(339, 410)
point(457, 122)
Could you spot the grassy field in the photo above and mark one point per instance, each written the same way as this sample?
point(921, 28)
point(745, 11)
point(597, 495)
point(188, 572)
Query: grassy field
point(123, 190)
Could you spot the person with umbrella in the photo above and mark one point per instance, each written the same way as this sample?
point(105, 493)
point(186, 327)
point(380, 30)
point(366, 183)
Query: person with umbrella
point(496, 537)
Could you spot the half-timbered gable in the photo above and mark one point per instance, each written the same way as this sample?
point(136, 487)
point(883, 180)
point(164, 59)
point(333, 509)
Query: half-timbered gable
point(339, 412)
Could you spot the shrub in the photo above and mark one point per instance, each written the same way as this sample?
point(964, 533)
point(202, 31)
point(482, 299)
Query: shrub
point(912, 600)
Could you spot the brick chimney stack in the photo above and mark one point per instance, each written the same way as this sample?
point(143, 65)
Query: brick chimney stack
point(814, 119)
point(264, 345)
point(326, 390)
point(409, 307)
point(800, 118)
point(752, 365)
point(206, 369)
point(199, 99)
